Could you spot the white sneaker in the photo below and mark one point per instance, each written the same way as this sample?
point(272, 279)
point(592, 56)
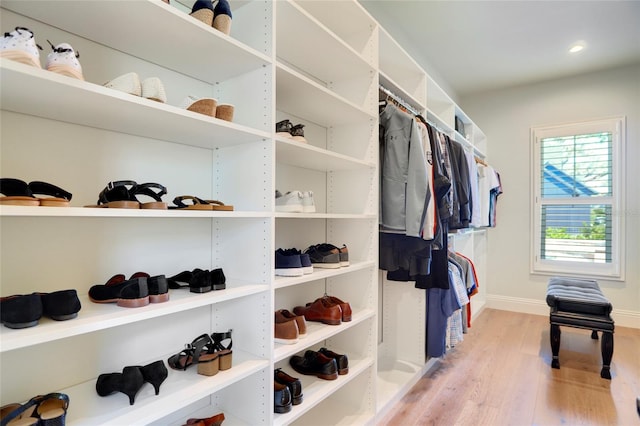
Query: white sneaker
point(20, 46)
point(308, 205)
point(152, 88)
point(64, 60)
point(127, 83)
point(291, 202)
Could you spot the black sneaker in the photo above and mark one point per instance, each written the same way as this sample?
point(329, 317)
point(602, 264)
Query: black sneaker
point(297, 133)
point(283, 129)
point(324, 257)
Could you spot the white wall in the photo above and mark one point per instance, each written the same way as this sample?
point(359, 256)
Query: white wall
point(506, 117)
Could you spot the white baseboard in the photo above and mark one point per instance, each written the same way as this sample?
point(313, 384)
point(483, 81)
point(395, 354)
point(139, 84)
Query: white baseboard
point(622, 318)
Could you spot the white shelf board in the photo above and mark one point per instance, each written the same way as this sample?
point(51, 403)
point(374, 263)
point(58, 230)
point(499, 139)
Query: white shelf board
point(314, 158)
point(293, 91)
point(200, 51)
point(40, 211)
point(440, 124)
point(397, 89)
point(96, 106)
point(334, 61)
point(180, 389)
point(316, 391)
point(320, 274)
point(96, 316)
point(318, 332)
point(325, 216)
point(396, 63)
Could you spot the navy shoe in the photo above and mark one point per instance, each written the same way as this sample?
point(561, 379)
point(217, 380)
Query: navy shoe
point(222, 17)
point(288, 264)
point(202, 10)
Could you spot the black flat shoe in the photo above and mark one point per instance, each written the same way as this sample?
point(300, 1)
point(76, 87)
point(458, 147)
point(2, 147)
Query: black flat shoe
point(131, 293)
point(158, 287)
point(60, 305)
point(198, 281)
point(21, 311)
point(128, 382)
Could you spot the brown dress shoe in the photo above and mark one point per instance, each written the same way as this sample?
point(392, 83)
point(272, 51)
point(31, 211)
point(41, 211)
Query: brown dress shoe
point(344, 306)
point(322, 311)
point(300, 321)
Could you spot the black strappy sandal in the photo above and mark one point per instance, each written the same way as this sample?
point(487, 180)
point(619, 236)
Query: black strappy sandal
point(117, 194)
point(224, 352)
point(200, 352)
point(18, 192)
point(148, 190)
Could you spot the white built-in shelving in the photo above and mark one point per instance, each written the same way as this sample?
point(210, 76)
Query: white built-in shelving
point(315, 65)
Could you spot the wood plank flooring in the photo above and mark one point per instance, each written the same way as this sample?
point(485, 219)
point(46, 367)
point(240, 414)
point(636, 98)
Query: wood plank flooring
point(501, 375)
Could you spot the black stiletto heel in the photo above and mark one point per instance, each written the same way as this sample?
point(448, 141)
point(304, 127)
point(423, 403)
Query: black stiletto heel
point(155, 373)
point(128, 382)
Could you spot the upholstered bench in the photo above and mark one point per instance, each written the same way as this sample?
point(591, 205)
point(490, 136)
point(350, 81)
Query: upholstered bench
point(579, 303)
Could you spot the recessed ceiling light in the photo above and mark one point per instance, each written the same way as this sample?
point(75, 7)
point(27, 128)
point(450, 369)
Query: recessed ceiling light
point(577, 47)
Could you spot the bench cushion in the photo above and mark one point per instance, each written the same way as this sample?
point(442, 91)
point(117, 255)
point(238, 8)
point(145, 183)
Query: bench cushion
point(577, 296)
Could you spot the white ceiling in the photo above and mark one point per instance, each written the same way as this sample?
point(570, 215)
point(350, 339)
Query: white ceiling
point(485, 45)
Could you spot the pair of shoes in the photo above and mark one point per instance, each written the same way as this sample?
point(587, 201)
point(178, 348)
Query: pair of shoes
point(295, 202)
point(208, 106)
point(149, 88)
point(20, 45)
point(341, 360)
point(22, 311)
point(131, 380)
point(327, 310)
point(196, 203)
point(123, 194)
point(315, 364)
point(207, 352)
point(41, 410)
point(209, 421)
point(293, 383)
point(218, 17)
point(19, 193)
point(287, 130)
point(199, 280)
point(292, 263)
point(289, 327)
point(139, 290)
point(328, 256)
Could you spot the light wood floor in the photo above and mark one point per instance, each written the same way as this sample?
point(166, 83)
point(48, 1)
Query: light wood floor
point(501, 375)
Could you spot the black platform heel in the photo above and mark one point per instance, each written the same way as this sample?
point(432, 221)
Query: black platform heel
point(155, 373)
point(128, 382)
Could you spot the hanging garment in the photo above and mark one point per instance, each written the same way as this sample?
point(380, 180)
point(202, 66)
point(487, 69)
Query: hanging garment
point(460, 172)
point(403, 175)
point(441, 304)
point(473, 184)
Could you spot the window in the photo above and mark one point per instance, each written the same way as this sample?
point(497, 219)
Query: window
point(578, 198)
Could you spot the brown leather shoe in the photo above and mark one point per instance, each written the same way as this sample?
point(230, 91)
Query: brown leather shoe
point(300, 321)
point(285, 330)
point(321, 310)
point(344, 306)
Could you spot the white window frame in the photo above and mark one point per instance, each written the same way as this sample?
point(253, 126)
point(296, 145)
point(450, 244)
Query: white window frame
point(615, 269)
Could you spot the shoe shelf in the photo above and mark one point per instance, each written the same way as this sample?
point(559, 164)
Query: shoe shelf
point(293, 91)
point(324, 55)
point(39, 211)
point(179, 389)
point(96, 316)
point(314, 158)
point(316, 391)
point(147, 30)
point(319, 274)
point(318, 332)
point(92, 105)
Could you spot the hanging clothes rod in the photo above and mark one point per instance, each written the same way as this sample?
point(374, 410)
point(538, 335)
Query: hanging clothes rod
point(398, 99)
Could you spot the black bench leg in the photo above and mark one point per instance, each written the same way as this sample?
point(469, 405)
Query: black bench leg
point(594, 335)
point(607, 354)
point(555, 345)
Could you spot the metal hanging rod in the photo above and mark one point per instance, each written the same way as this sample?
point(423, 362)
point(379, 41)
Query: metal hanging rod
point(399, 100)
